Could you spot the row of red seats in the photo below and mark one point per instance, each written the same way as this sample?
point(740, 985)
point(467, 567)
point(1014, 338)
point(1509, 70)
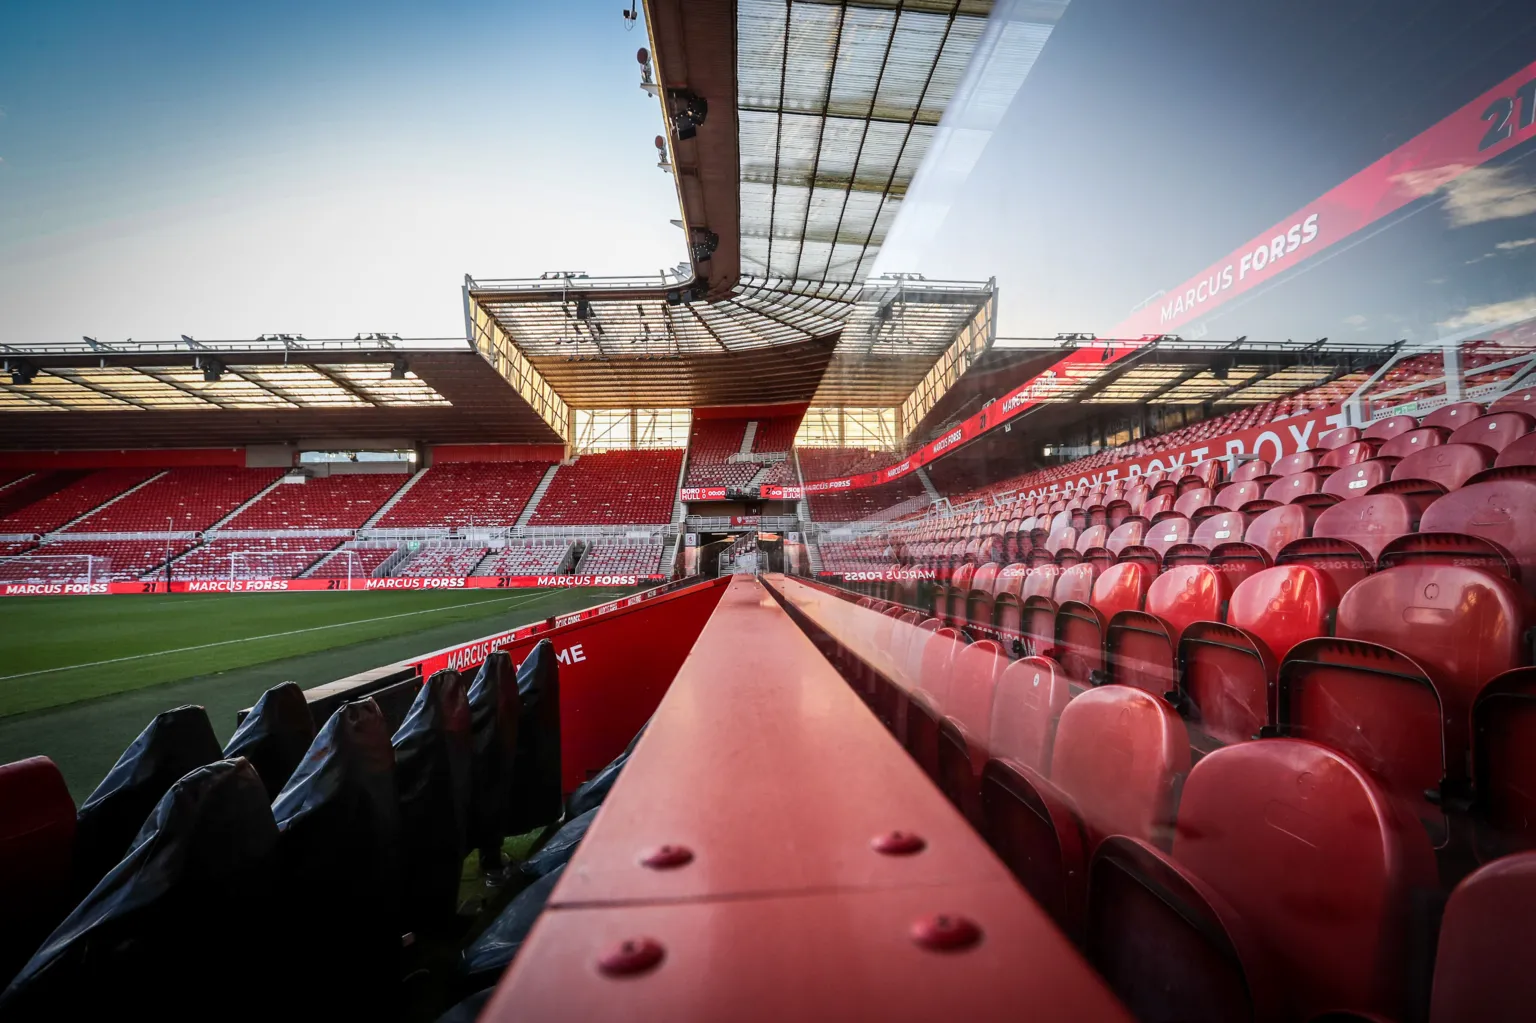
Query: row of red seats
point(191, 499)
point(1277, 878)
point(613, 487)
point(339, 501)
point(621, 559)
point(74, 500)
point(93, 561)
point(457, 494)
point(351, 562)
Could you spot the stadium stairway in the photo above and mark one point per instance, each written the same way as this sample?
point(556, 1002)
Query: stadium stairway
point(538, 495)
point(107, 503)
point(933, 491)
point(394, 499)
point(747, 437)
point(263, 492)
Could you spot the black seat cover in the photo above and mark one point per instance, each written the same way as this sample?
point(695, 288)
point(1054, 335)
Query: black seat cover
point(536, 794)
point(176, 742)
point(181, 926)
point(432, 777)
point(591, 793)
point(275, 735)
point(557, 852)
point(494, 950)
point(494, 709)
point(342, 862)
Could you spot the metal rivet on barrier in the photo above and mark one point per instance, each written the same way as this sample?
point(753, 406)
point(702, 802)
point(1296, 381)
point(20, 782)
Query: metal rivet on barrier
point(667, 857)
point(945, 932)
point(898, 843)
point(631, 956)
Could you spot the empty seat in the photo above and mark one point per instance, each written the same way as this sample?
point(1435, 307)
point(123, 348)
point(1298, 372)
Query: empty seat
point(1392, 426)
point(1227, 669)
point(1080, 625)
point(1318, 860)
point(1141, 646)
point(1371, 521)
point(1271, 530)
point(1519, 452)
point(1172, 530)
point(1502, 510)
point(1405, 444)
point(1449, 465)
point(1394, 691)
point(1345, 455)
point(1045, 830)
point(1029, 697)
point(1343, 561)
point(1454, 415)
point(1300, 461)
point(37, 840)
point(1235, 495)
point(1335, 439)
point(1298, 484)
point(1504, 763)
point(1192, 501)
point(1497, 430)
point(925, 703)
point(1037, 608)
point(1250, 470)
point(1482, 966)
point(1359, 478)
point(1523, 400)
point(174, 743)
point(188, 917)
point(967, 709)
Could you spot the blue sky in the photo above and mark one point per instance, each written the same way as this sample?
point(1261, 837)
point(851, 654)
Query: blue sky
point(324, 168)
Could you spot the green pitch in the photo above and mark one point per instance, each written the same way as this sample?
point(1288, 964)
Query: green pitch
point(81, 676)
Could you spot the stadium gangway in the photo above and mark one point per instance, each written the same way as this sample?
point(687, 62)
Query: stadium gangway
point(736, 870)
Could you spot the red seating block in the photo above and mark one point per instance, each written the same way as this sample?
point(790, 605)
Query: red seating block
point(613, 487)
point(74, 500)
point(1392, 426)
point(1502, 510)
point(1497, 430)
point(1519, 452)
point(1030, 695)
point(1504, 763)
point(1453, 415)
point(1080, 625)
point(1405, 444)
point(1372, 521)
point(1449, 465)
point(455, 494)
point(1140, 646)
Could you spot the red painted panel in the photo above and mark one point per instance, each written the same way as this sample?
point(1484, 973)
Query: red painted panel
point(767, 765)
point(824, 956)
point(793, 408)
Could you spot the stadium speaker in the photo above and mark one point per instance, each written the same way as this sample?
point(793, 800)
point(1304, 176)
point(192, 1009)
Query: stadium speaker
point(689, 111)
point(399, 369)
point(1220, 368)
point(22, 371)
point(674, 297)
point(583, 309)
point(212, 368)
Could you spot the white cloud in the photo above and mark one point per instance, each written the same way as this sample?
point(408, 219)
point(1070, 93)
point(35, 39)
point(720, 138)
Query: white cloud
point(1489, 193)
point(1356, 320)
point(1518, 243)
point(1493, 314)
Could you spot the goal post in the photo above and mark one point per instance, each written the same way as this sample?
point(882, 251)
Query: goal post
point(55, 568)
point(289, 564)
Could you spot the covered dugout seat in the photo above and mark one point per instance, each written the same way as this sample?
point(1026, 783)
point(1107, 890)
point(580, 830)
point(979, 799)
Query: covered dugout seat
point(536, 795)
point(175, 742)
point(343, 862)
point(494, 709)
point(274, 735)
point(184, 926)
point(433, 758)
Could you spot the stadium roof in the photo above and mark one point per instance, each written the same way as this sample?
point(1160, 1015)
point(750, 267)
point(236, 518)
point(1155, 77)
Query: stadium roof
point(272, 390)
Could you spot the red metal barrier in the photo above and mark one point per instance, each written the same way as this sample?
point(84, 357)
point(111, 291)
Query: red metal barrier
point(474, 582)
point(747, 866)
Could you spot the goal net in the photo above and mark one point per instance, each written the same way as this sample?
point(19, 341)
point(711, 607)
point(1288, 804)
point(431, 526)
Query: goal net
point(290, 564)
point(55, 568)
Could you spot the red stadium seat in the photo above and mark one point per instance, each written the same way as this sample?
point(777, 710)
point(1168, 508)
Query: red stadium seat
point(1193, 500)
point(925, 703)
point(1504, 763)
point(1502, 510)
point(1335, 439)
point(1497, 431)
point(1482, 965)
point(1157, 505)
point(1345, 455)
point(37, 838)
point(1449, 465)
point(1395, 689)
point(1226, 670)
point(1358, 479)
point(1301, 461)
point(980, 598)
point(1175, 529)
point(1037, 608)
point(1517, 401)
point(1319, 861)
point(963, 733)
point(1452, 416)
point(1080, 625)
point(1392, 426)
point(1272, 530)
point(1045, 830)
point(1167, 944)
point(1126, 534)
point(1371, 522)
point(1250, 470)
point(1141, 645)
point(1298, 484)
point(1030, 695)
point(1344, 562)
point(1519, 452)
point(1235, 495)
point(1405, 444)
